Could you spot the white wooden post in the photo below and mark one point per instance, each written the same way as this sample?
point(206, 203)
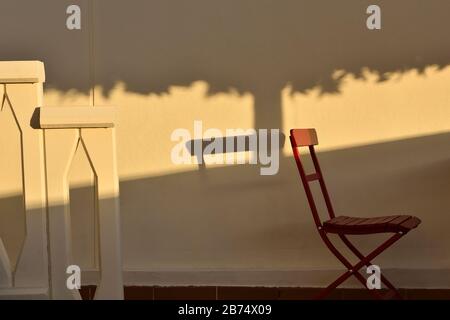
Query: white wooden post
point(22, 91)
point(90, 128)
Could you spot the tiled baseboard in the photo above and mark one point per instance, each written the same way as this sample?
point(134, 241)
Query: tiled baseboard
point(258, 293)
point(266, 284)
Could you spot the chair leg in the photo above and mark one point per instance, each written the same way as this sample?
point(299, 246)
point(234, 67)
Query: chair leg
point(357, 253)
point(354, 270)
point(324, 293)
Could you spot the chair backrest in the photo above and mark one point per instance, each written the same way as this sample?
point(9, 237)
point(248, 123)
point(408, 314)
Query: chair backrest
point(308, 138)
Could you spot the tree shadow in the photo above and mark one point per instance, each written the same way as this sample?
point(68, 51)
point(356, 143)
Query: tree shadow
point(256, 46)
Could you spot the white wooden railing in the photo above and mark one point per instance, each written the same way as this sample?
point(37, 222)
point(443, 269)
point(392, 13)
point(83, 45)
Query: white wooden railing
point(49, 140)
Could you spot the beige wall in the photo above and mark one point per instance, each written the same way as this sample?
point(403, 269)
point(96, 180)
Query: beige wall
point(380, 101)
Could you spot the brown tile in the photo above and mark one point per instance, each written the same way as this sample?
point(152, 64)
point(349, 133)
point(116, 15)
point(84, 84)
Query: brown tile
point(247, 293)
point(305, 294)
point(139, 293)
point(427, 294)
point(87, 292)
point(185, 293)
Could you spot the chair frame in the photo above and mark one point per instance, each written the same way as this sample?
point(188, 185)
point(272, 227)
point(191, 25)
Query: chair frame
point(309, 138)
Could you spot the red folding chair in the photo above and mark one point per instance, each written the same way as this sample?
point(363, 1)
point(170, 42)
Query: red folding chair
point(343, 225)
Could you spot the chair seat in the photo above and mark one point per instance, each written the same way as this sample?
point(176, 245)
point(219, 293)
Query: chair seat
point(353, 225)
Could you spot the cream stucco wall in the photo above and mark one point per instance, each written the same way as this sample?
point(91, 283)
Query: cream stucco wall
point(379, 100)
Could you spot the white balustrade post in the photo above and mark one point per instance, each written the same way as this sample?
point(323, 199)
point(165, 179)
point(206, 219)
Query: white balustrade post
point(65, 130)
point(22, 91)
